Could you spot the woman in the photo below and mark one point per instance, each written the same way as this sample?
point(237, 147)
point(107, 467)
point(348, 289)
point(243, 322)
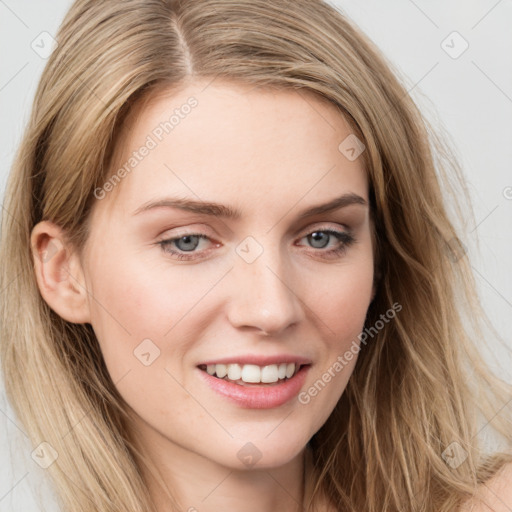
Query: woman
point(189, 340)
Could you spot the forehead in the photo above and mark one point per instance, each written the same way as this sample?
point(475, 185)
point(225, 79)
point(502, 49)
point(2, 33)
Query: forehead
point(234, 142)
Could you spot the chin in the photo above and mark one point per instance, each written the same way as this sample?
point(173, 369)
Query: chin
point(264, 453)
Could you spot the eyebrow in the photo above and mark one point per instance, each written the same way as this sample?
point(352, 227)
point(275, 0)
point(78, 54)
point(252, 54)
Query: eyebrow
point(227, 212)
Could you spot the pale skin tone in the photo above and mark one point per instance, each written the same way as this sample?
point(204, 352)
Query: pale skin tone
point(495, 495)
point(270, 155)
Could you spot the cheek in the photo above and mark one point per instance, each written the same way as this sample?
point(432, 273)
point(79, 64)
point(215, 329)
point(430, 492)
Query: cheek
point(342, 310)
point(127, 306)
point(136, 298)
point(344, 301)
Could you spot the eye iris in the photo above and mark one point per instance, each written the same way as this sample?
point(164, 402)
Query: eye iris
point(314, 237)
point(187, 239)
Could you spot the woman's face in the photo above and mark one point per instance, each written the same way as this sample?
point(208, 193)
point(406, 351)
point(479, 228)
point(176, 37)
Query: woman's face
point(270, 285)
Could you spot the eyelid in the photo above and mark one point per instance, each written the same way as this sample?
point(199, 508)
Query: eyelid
point(323, 226)
point(189, 231)
point(177, 232)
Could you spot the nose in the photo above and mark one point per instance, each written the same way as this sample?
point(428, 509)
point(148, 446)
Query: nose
point(264, 296)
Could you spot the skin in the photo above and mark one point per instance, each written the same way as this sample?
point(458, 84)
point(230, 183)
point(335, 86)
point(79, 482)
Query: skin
point(494, 495)
point(270, 154)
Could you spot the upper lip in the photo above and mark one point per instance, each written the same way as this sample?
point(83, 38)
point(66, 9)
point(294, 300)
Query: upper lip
point(259, 360)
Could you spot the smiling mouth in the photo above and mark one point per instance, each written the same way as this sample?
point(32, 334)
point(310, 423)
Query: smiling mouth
point(253, 375)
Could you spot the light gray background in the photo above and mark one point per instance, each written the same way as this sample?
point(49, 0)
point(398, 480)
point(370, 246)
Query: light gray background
point(471, 96)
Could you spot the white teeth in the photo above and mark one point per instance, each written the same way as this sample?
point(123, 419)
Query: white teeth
point(253, 374)
point(234, 371)
point(269, 373)
point(221, 370)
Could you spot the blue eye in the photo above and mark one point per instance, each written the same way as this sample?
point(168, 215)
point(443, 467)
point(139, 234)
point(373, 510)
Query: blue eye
point(343, 237)
point(320, 238)
point(187, 243)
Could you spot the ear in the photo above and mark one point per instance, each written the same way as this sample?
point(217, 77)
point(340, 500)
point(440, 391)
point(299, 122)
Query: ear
point(59, 273)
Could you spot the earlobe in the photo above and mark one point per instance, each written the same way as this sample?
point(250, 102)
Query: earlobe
point(59, 273)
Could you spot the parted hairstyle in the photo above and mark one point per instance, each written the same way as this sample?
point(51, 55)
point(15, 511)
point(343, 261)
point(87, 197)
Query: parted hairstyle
point(417, 387)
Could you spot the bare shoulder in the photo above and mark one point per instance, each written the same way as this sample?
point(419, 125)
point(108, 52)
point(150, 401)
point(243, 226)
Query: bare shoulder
point(495, 495)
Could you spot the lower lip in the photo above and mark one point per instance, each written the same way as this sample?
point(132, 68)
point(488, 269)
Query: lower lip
point(258, 396)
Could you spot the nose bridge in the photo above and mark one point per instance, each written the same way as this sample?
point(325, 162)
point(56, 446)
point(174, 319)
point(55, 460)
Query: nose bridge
point(265, 297)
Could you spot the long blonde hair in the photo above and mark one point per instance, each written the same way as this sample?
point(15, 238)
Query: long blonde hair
point(418, 385)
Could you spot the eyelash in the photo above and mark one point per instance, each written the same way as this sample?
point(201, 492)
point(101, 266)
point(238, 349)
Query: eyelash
point(345, 238)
